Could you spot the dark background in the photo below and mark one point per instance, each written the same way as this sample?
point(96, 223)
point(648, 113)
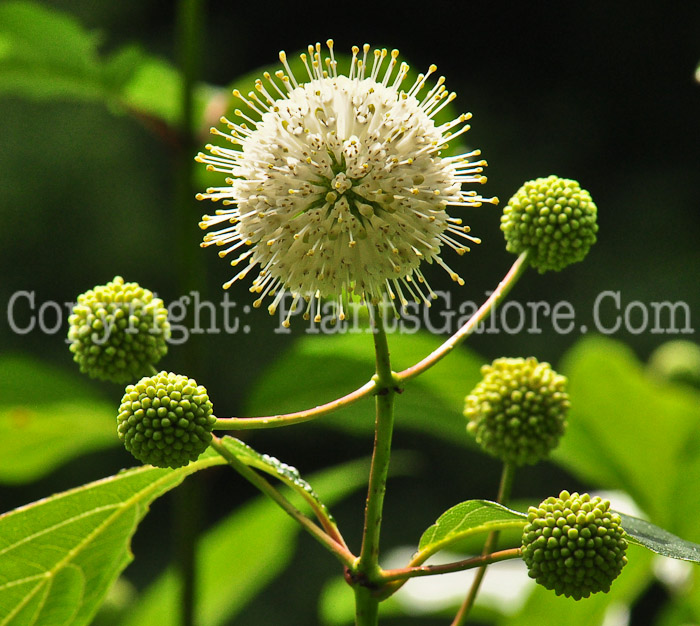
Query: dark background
point(601, 92)
point(604, 93)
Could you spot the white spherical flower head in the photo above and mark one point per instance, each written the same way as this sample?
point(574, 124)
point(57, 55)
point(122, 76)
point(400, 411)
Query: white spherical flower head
point(338, 186)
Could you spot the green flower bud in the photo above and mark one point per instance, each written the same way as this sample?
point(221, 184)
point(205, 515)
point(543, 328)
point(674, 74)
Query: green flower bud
point(574, 545)
point(553, 218)
point(518, 411)
point(165, 420)
point(118, 331)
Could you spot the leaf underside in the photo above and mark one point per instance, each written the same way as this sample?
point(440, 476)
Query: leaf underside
point(658, 540)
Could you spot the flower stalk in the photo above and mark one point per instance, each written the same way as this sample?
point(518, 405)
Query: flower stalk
point(367, 566)
point(372, 386)
point(190, 18)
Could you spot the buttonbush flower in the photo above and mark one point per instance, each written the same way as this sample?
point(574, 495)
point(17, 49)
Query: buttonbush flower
point(337, 186)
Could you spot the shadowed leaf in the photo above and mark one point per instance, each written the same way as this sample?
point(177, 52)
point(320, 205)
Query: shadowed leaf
point(658, 540)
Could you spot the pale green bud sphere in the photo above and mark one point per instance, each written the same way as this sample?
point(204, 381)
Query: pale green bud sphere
point(574, 545)
point(118, 331)
point(553, 218)
point(166, 420)
point(518, 410)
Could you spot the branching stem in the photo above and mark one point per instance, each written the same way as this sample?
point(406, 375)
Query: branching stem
point(404, 573)
point(275, 421)
point(338, 549)
point(299, 417)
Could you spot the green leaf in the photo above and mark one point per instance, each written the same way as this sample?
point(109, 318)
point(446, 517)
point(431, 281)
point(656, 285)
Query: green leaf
point(45, 54)
point(287, 474)
point(466, 519)
point(119, 68)
point(658, 540)
point(627, 431)
point(60, 555)
point(48, 417)
point(252, 546)
point(431, 403)
point(27, 379)
point(154, 87)
point(33, 442)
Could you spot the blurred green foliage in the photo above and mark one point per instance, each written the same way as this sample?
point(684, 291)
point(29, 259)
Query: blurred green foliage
point(90, 112)
point(47, 418)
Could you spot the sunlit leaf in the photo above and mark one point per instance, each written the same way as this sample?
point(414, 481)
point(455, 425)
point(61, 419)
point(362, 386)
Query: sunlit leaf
point(627, 431)
point(34, 441)
point(59, 556)
point(466, 519)
point(48, 55)
point(122, 65)
point(27, 380)
point(154, 87)
point(45, 54)
point(48, 417)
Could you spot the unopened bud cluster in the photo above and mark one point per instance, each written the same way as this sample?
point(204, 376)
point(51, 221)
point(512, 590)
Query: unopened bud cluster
point(553, 218)
point(574, 545)
point(518, 410)
point(118, 331)
point(166, 420)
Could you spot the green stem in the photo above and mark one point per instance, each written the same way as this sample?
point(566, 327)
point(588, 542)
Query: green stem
point(404, 573)
point(298, 417)
point(367, 567)
point(339, 550)
point(190, 264)
point(506, 484)
point(514, 273)
point(275, 421)
point(188, 504)
point(366, 607)
point(504, 489)
point(189, 25)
